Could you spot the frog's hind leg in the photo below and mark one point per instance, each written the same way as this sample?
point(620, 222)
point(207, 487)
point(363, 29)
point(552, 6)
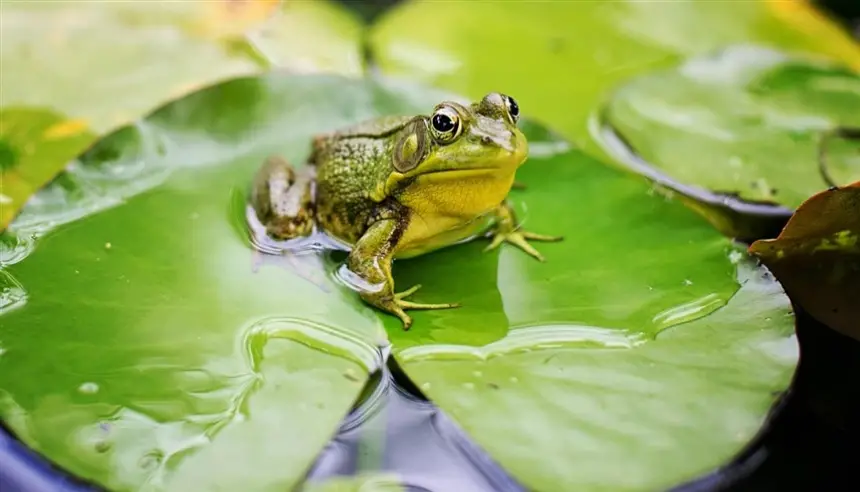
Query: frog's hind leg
point(283, 198)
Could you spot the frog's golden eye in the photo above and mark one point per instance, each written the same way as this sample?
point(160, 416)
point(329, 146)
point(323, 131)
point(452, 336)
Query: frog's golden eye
point(446, 125)
point(512, 107)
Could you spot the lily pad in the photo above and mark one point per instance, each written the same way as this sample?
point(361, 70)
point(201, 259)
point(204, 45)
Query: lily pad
point(560, 59)
point(34, 143)
point(817, 257)
point(745, 122)
point(153, 346)
point(111, 62)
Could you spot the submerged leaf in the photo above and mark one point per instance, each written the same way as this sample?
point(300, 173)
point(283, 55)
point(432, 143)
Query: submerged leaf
point(817, 258)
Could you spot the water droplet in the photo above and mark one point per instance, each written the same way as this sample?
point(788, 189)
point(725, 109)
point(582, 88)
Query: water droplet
point(102, 446)
point(350, 374)
point(425, 386)
point(514, 379)
point(469, 386)
point(689, 311)
point(478, 374)
point(12, 293)
point(150, 460)
point(107, 245)
point(688, 281)
point(735, 256)
point(88, 388)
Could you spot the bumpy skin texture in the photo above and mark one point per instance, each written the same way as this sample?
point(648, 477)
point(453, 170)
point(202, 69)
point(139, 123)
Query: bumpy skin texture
point(397, 187)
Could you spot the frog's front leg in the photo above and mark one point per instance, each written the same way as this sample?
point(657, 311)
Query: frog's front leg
point(507, 230)
point(371, 258)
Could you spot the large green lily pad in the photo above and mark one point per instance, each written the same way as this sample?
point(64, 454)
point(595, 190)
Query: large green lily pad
point(151, 346)
point(746, 121)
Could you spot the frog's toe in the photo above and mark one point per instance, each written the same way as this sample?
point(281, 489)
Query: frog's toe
point(541, 237)
point(408, 292)
point(398, 300)
point(418, 305)
point(400, 313)
point(520, 240)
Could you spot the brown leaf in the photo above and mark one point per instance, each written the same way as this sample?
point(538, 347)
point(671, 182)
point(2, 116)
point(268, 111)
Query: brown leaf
point(816, 258)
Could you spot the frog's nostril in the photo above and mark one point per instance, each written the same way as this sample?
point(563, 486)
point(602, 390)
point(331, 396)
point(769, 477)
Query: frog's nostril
point(486, 139)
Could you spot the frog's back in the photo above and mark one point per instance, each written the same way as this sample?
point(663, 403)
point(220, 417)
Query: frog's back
point(374, 128)
point(351, 162)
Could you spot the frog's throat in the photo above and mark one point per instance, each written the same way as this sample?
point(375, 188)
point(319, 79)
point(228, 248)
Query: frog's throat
point(487, 174)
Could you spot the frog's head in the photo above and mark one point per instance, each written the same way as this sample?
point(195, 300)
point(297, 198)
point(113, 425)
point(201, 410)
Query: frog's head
point(459, 141)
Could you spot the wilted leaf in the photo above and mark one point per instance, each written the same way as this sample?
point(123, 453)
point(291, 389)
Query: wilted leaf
point(817, 258)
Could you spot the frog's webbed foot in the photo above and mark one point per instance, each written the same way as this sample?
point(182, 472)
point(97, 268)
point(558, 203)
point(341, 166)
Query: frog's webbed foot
point(506, 231)
point(520, 240)
point(398, 305)
point(282, 198)
point(370, 259)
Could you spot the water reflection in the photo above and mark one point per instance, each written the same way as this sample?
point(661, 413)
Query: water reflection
point(418, 443)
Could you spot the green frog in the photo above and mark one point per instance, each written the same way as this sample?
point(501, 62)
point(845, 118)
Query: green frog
point(402, 186)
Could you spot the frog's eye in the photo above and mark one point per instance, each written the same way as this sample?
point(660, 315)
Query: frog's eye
point(513, 108)
point(446, 124)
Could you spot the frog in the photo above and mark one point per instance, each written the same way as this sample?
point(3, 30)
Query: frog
point(396, 187)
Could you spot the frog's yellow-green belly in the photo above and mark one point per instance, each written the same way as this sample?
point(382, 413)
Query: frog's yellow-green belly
point(445, 211)
point(421, 237)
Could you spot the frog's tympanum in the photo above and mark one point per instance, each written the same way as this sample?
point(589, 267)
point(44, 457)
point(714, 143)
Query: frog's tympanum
point(398, 187)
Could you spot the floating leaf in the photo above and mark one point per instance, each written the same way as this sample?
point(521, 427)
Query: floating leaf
point(34, 145)
point(745, 122)
point(585, 408)
point(111, 62)
point(217, 362)
point(817, 258)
